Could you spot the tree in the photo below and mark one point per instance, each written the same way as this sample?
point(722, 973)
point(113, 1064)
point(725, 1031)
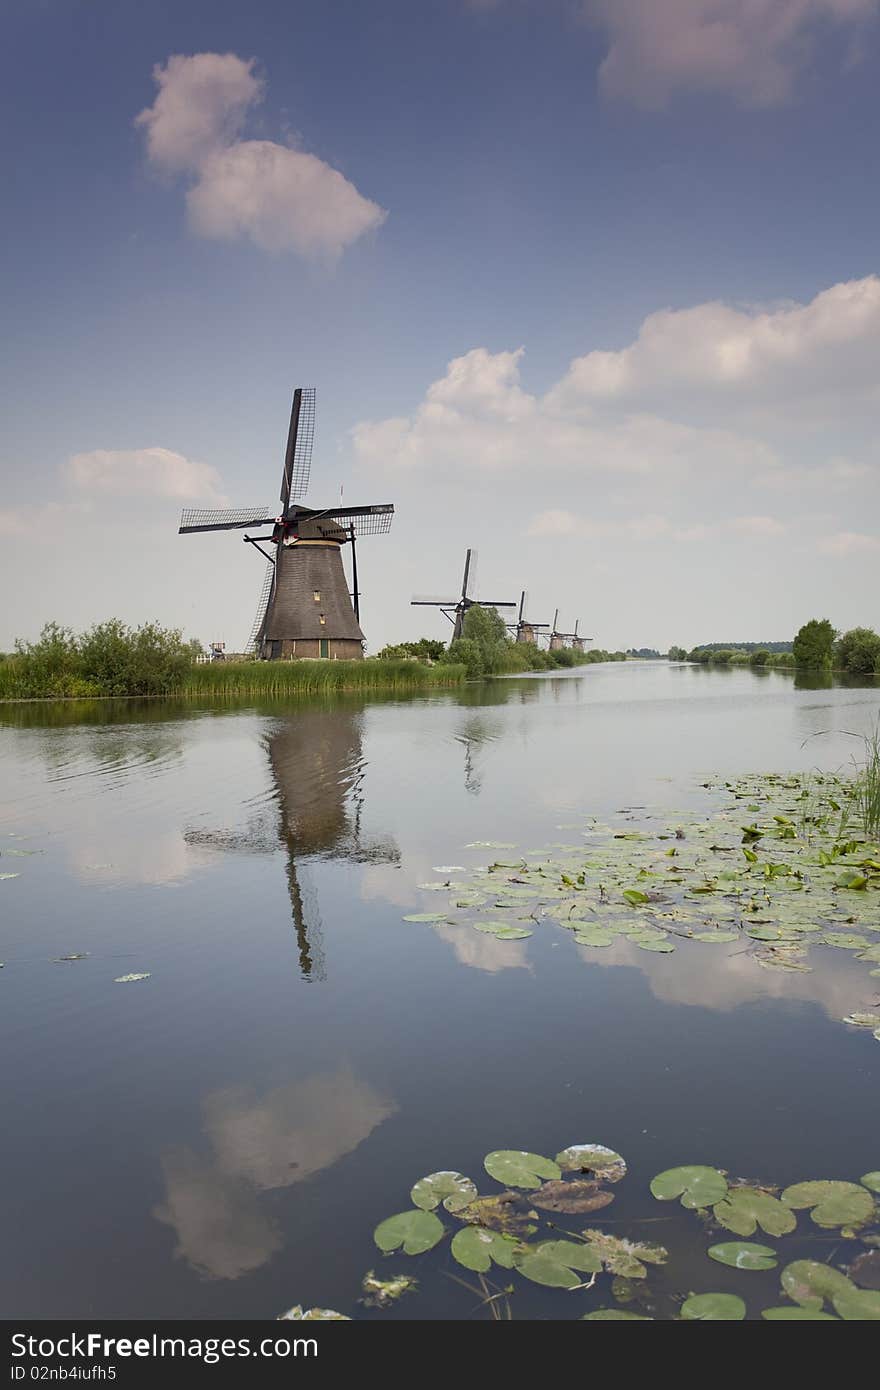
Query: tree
point(759, 657)
point(858, 651)
point(677, 654)
point(813, 645)
point(485, 626)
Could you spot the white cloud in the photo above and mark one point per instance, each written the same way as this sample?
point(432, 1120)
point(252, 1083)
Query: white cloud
point(154, 472)
point(201, 106)
point(645, 528)
point(846, 543)
point(837, 475)
point(281, 198)
point(830, 344)
point(750, 50)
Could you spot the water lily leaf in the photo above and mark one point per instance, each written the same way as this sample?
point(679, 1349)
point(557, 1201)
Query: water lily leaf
point(696, 1185)
point(476, 1248)
point(865, 1269)
point(518, 1168)
point(863, 1020)
point(714, 1307)
point(129, 979)
point(296, 1314)
point(746, 1208)
point(574, 1196)
point(832, 1203)
point(506, 1212)
point(760, 933)
point(717, 936)
point(743, 1254)
point(810, 1283)
point(425, 917)
point(505, 931)
point(789, 1314)
point(449, 869)
point(850, 941)
point(634, 896)
point(592, 1158)
point(871, 1180)
point(626, 1257)
point(382, 1293)
point(554, 1262)
point(858, 1305)
point(653, 943)
point(614, 1315)
point(10, 875)
point(413, 1231)
point(452, 1189)
point(595, 936)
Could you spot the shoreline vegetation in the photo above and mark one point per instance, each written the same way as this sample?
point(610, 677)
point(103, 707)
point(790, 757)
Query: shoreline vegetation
point(817, 646)
point(112, 660)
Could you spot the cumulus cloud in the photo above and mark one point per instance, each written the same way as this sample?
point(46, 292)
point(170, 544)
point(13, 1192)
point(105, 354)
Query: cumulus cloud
point(829, 344)
point(562, 523)
point(152, 472)
point(845, 543)
point(282, 199)
point(750, 50)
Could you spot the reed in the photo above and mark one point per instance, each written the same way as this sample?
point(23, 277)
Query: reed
point(273, 678)
point(866, 787)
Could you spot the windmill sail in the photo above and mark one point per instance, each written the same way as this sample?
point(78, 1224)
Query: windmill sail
point(300, 440)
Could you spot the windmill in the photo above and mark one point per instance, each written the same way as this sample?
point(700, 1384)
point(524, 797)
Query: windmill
point(456, 608)
point(578, 643)
point(305, 607)
point(524, 629)
point(557, 638)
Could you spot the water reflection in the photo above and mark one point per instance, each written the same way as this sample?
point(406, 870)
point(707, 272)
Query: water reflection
point(256, 1144)
point(474, 734)
point(317, 769)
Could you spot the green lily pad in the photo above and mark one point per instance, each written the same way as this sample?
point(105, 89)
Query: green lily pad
point(594, 936)
point(452, 1189)
point(717, 936)
point(697, 1186)
point(592, 1158)
point(833, 1203)
point(412, 1231)
point(810, 1283)
point(476, 1249)
point(788, 1314)
point(653, 943)
point(130, 979)
point(871, 1180)
point(858, 1305)
point(383, 1293)
point(863, 1020)
point(614, 1315)
point(634, 896)
point(505, 1212)
point(554, 1262)
point(713, 1307)
point(743, 1254)
point(425, 917)
point(746, 1208)
point(518, 1168)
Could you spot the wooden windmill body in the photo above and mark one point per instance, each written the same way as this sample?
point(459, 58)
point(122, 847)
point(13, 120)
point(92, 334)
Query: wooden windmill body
point(306, 609)
point(524, 629)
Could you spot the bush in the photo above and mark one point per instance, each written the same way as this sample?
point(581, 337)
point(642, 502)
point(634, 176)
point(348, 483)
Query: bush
point(109, 659)
point(426, 649)
point(759, 658)
point(813, 645)
point(858, 651)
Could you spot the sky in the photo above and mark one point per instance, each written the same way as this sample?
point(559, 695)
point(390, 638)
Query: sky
point(589, 285)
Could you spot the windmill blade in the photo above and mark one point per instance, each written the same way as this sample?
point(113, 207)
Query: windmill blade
point(469, 581)
point(522, 605)
point(367, 521)
point(434, 602)
point(300, 439)
point(224, 519)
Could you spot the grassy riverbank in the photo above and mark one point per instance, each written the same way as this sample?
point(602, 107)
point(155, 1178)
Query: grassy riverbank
point(314, 677)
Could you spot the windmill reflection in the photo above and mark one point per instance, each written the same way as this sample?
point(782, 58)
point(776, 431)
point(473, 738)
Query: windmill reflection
point(317, 764)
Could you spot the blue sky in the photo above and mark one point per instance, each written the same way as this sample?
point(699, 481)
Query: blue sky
point(553, 175)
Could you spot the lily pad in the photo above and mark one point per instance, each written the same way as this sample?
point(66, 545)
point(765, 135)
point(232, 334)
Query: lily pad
point(518, 1168)
point(746, 1208)
point(743, 1254)
point(614, 1315)
point(383, 1293)
point(697, 1186)
point(871, 1180)
point(865, 1270)
point(786, 1313)
point(858, 1305)
point(810, 1283)
point(476, 1249)
point(626, 1257)
point(575, 1196)
point(452, 1189)
point(592, 1158)
point(554, 1262)
point(713, 1307)
point(296, 1314)
point(506, 1212)
point(130, 979)
point(425, 917)
point(833, 1203)
point(412, 1231)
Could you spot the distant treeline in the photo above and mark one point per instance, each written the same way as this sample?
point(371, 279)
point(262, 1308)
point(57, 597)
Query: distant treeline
point(817, 646)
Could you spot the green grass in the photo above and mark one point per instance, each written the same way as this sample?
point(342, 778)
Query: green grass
point(314, 677)
point(866, 788)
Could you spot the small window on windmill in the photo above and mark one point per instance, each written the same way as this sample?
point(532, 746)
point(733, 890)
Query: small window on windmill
point(321, 619)
point(317, 595)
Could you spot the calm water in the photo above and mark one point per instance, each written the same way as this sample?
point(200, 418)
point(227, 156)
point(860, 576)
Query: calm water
point(221, 1140)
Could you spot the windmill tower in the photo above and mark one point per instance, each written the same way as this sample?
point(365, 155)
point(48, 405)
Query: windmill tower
point(579, 643)
point(456, 608)
point(557, 638)
point(305, 608)
point(524, 630)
